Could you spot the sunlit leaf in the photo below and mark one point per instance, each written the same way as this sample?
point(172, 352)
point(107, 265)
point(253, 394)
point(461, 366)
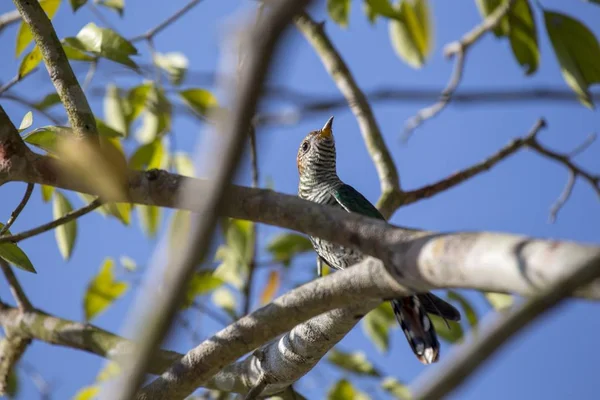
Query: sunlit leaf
point(103, 290)
point(174, 64)
point(383, 8)
point(136, 99)
point(114, 110)
point(12, 254)
point(395, 388)
point(452, 335)
point(339, 11)
point(343, 390)
point(577, 51)
point(499, 301)
point(184, 164)
point(24, 35)
point(66, 234)
point(75, 50)
point(284, 247)
point(354, 362)
point(26, 122)
point(46, 137)
point(149, 219)
point(156, 120)
point(116, 5)
point(201, 283)
point(149, 156)
point(106, 43)
point(411, 33)
point(270, 289)
point(76, 4)
point(87, 393)
point(30, 62)
point(377, 324)
point(225, 299)
point(468, 309)
point(235, 254)
point(47, 192)
point(200, 100)
point(120, 211)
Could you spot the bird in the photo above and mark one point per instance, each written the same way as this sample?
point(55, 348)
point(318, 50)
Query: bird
point(319, 183)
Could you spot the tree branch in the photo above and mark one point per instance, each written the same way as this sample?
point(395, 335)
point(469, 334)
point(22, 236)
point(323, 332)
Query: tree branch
point(341, 75)
point(71, 95)
point(157, 29)
point(9, 18)
point(15, 214)
point(15, 287)
point(458, 50)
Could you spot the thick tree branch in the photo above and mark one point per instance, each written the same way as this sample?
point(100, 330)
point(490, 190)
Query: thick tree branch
point(341, 75)
point(12, 348)
point(458, 50)
point(71, 95)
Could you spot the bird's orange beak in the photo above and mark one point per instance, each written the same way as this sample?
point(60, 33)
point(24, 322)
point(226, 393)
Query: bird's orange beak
point(327, 131)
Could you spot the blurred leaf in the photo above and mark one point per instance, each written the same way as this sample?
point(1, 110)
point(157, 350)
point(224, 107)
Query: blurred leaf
point(383, 8)
point(114, 110)
point(46, 137)
point(271, 287)
point(48, 101)
point(103, 290)
point(106, 130)
point(452, 335)
point(174, 64)
point(149, 156)
point(486, 7)
point(120, 211)
point(24, 35)
point(116, 5)
point(128, 263)
point(499, 301)
point(468, 309)
point(136, 99)
point(179, 229)
point(87, 393)
point(225, 299)
point(377, 324)
point(395, 388)
point(149, 219)
point(370, 13)
point(30, 62)
point(26, 122)
point(75, 50)
point(354, 362)
point(343, 390)
point(201, 283)
point(12, 254)
point(200, 100)
point(66, 234)
point(339, 11)
point(577, 51)
point(12, 384)
point(76, 4)
point(184, 164)
point(47, 192)
point(110, 370)
point(156, 120)
point(236, 253)
point(286, 246)
point(411, 32)
point(106, 43)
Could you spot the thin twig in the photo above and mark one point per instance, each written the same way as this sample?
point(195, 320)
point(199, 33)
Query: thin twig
point(458, 50)
point(583, 146)
point(98, 14)
point(258, 388)
point(341, 75)
point(52, 224)
point(15, 214)
point(564, 196)
point(9, 18)
point(16, 289)
point(90, 74)
point(473, 354)
point(31, 106)
point(154, 31)
point(16, 79)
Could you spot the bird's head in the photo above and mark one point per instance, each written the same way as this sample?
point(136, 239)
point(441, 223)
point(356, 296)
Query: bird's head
point(317, 151)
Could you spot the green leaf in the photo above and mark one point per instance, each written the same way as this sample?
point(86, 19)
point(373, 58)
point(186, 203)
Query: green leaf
point(174, 64)
point(103, 290)
point(343, 390)
point(76, 4)
point(106, 43)
point(236, 253)
point(136, 98)
point(199, 100)
point(499, 301)
point(24, 35)
point(201, 283)
point(12, 254)
point(224, 298)
point(411, 33)
point(354, 362)
point(486, 7)
point(577, 51)
point(149, 219)
point(149, 156)
point(74, 50)
point(284, 247)
point(114, 110)
point(370, 13)
point(377, 324)
point(26, 122)
point(12, 384)
point(156, 119)
point(106, 130)
point(120, 211)
point(30, 62)
point(468, 309)
point(48, 101)
point(339, 11)
point(116, 5)
point(87, 393)
point(65, 233)
point(395, 388)
point(183, 164)
point(452, 335)
point(383, 8)
point(47, 192)
point(46, 137)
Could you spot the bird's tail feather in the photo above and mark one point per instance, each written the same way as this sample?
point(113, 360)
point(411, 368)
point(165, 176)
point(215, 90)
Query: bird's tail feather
point(418, 328)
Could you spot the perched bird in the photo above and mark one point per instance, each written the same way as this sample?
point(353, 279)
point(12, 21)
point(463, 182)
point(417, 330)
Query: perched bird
point(320, 183)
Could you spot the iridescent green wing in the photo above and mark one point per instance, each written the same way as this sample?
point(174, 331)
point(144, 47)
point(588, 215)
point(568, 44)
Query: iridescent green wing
point(353, 201)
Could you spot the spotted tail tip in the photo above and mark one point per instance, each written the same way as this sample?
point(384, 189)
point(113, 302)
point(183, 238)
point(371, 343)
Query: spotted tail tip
point(430, 355)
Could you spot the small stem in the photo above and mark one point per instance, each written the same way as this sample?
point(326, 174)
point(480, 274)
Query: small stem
point(15, 214)
point(17, 291)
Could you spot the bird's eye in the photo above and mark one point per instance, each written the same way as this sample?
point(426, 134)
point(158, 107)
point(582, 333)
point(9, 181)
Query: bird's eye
point(305, 146)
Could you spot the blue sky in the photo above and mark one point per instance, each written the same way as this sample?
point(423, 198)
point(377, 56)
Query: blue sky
point(551, 359)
